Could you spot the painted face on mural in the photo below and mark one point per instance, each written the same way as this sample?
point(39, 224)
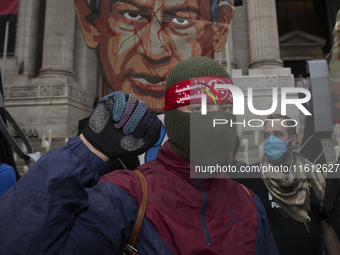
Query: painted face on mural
point(139, 41)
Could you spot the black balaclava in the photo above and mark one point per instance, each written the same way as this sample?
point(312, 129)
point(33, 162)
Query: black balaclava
point(192, 135)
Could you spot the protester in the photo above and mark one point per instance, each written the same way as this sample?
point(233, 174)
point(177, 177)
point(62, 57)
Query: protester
point(302, 83)
point(60, 208)
point(292, 193)
point(332, 198)
point(332, 193)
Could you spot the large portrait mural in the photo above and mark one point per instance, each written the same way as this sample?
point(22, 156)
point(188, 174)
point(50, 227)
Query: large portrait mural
point(137, 42)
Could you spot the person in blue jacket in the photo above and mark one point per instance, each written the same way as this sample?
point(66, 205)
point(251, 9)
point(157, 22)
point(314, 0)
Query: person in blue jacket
point(7, 177)
point(59, 207)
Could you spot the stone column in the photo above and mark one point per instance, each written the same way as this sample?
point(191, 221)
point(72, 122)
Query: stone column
point(230, 39)
point(59, 35)
point(263, 35)
point(85, 64)
point(28, 38)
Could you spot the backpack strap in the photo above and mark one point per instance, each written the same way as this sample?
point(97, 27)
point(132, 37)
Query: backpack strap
point(246, 190)
point(130, 247)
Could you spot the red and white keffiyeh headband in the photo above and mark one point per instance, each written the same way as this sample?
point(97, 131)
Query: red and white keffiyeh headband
point(190, 92)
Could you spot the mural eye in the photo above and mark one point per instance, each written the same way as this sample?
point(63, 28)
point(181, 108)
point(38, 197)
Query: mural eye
point(181, 21)
point(132, 16)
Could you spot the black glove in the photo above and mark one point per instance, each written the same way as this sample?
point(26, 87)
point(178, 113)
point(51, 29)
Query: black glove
point(122, 126)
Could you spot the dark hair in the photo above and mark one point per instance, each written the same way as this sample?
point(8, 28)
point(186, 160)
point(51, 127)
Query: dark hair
point(236, 146)
point(291, 130)
point(96, 6)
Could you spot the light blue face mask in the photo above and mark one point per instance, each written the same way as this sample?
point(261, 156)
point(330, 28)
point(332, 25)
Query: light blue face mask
point(275, 147)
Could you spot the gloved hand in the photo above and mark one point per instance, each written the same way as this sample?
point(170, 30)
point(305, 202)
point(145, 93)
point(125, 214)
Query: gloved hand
point(122, 126)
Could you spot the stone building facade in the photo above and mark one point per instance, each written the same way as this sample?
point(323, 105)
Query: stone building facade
point(58, 80)
point(52, 80)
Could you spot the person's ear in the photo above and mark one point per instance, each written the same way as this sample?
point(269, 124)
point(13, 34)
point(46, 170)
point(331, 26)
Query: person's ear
point(231, 156)
point(294, 140)
point(221, 25)
point(86, 21)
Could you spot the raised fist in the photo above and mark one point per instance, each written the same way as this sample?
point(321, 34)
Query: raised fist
point(121, 126)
